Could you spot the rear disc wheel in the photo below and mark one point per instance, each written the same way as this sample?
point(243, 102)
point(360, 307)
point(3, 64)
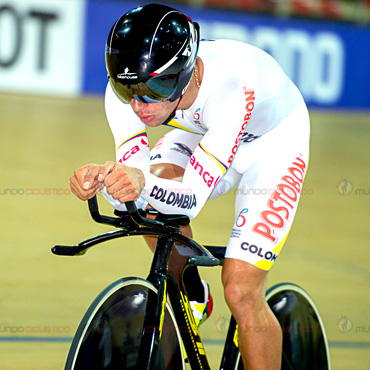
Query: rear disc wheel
point(305, 345)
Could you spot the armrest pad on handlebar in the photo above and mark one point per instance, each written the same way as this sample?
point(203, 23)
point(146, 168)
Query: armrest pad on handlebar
point(175, 220)
point(203, 261)
point(171, 219)
point(137, 217)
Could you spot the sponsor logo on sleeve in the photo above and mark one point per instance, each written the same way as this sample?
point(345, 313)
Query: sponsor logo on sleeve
point(203, 173)
point(172, 198)
point(183, 149)
point(135, 149)
point(249, 99)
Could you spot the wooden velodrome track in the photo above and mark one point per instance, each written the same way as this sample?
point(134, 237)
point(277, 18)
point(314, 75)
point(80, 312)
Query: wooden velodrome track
point(43, 296)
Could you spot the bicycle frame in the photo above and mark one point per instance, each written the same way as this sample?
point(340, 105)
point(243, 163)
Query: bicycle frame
point(289, 302)
point(168, 264)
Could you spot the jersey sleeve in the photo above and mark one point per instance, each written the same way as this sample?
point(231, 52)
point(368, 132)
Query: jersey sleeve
point(130, 137)
point(226, 118)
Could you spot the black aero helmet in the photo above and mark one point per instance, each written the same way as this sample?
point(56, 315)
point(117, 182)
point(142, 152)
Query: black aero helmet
point(150, 54)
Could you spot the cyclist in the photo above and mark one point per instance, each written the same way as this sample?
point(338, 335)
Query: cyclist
point(239, 122)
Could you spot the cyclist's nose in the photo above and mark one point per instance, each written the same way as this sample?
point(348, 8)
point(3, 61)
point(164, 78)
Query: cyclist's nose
point(137, 105)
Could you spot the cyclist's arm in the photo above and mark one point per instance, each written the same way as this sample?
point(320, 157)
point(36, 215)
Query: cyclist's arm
point(131, 142)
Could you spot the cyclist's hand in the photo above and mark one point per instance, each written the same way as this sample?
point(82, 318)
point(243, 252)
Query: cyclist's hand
point(87, 181)
point(122, 182)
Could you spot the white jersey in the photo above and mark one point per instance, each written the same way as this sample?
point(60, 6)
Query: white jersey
point(248, 127)
point(244, 95)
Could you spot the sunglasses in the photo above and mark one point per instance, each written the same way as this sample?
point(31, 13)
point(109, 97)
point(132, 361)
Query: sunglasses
point(155, 90)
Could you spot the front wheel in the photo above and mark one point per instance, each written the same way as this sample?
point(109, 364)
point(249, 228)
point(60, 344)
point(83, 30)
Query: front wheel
point(305, 345)
point(109, 334)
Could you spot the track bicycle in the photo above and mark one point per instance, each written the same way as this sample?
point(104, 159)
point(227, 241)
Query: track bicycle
point(138, 323)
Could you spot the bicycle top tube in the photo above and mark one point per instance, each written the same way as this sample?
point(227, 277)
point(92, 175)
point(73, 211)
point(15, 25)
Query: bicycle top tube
point(134, 222)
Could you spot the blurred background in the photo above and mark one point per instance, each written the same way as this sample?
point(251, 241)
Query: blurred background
point(52, 81)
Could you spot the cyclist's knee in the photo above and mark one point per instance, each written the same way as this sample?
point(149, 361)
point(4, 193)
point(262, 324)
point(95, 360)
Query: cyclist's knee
point(243, 299)
point(244, 286)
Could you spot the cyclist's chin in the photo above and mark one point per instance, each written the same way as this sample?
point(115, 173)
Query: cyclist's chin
point(153, 123)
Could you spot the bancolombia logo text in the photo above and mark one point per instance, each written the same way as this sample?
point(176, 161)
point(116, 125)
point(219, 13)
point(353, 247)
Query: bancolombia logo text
point(184, 201)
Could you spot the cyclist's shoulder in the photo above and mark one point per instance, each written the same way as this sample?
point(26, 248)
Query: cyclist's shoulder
point(233, 67)
point(231, 61)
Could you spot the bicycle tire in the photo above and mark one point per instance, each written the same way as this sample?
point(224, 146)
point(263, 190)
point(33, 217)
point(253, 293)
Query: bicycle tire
point(305, 345)
point(109, 334)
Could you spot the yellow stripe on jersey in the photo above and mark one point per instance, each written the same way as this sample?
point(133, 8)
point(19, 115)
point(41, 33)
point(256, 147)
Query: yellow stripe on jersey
point(141, 133)
point(266, 265)
point(219, 163)
point(175, 124)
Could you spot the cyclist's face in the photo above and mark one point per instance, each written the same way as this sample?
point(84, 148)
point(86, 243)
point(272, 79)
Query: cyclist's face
point(153, 114)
